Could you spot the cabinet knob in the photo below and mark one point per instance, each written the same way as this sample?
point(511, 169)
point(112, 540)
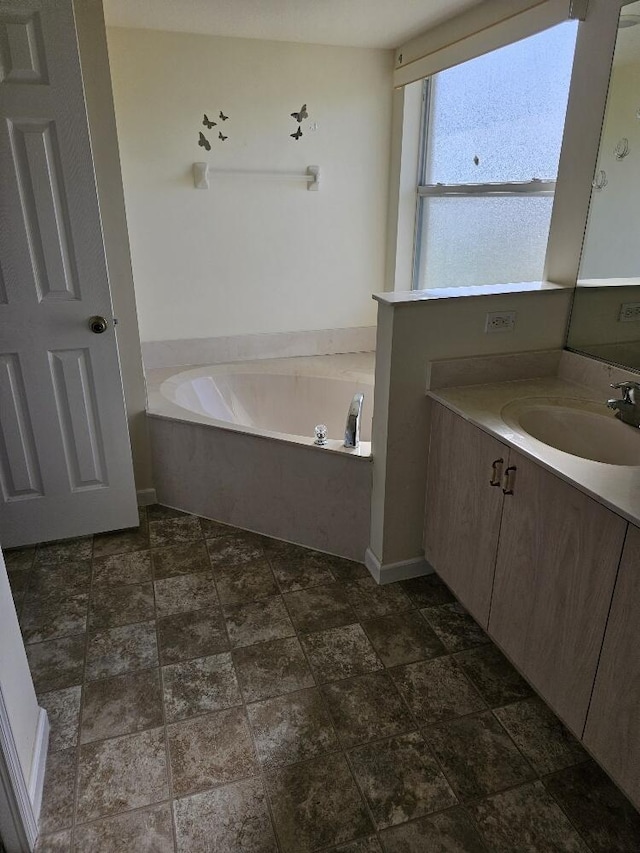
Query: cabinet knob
point(508, 481)
point(496, 472)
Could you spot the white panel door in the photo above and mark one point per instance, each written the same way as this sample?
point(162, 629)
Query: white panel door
point(65, 458)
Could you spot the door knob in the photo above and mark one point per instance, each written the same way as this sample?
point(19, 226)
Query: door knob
point(98, 325)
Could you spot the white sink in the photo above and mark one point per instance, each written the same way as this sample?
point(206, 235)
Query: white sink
point(581, 427)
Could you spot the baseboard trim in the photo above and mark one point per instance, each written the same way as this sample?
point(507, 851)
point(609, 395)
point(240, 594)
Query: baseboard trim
point(401, 571)
point(146, 497)
point(39, 762)
point(17, 800)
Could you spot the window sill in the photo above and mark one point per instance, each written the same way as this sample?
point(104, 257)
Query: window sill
point(402, 297)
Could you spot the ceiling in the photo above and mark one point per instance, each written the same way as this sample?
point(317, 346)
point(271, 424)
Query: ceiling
point(354, 23)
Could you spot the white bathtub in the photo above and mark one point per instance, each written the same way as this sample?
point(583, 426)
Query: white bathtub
point(235, 443)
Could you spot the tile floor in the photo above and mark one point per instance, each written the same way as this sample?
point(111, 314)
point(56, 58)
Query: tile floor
point(212, 690)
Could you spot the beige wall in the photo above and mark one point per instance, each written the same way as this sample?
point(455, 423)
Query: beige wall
point(104, 142)
point(15, 679)
point(252, 255)
point(409, 336)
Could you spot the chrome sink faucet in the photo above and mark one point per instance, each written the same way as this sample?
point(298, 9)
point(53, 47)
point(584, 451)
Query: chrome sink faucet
point(352, 428)
point(628, 407)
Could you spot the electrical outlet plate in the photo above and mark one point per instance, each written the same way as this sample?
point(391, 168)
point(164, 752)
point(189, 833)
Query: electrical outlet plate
point(500, 321)
point(629, 312)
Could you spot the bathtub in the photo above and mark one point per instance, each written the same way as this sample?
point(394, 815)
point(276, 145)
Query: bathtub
point(235, 443)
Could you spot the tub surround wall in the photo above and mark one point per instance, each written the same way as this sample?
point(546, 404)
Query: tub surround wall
point(248, 255)
point(223, 350)
point(411, 333)
point(301, 495)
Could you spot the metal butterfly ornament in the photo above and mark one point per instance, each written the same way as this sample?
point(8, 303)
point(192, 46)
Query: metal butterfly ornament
point(222, 116)
point(207, 123)
point(221, 136)
point(203, 142)
point(300, 115)
point(297, 134)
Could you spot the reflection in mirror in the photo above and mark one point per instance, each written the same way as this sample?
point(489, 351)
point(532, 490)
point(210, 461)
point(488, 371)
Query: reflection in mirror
point(605, 321)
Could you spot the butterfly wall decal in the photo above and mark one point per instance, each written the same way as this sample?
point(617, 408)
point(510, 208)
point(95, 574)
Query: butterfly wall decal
point(222, 116)
point(203, 142)
point(207, 123)
point(221, 136)
point(297, 134)
point(300, 115)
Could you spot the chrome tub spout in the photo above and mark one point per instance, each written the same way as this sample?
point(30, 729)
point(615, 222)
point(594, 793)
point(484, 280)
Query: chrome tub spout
point(352, 428)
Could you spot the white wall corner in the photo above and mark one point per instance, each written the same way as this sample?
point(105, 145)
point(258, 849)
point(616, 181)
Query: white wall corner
point(20, 800)
point(146, 497)
point(403, 570)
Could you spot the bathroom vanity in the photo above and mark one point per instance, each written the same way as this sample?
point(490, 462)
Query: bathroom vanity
point(543, 548)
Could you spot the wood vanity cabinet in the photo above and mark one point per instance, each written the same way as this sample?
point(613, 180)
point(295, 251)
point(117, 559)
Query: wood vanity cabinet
point(557, 561)
point(463, 509)
point(613, 724)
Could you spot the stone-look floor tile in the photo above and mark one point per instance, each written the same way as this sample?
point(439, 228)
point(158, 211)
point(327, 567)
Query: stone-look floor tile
point(448, 832)
point(235, 548)
point(212, 529)
point(210, 750)
point(180, 560)
point(49, 618)
point(528, 820)
point(364, 845)
point(600, 812)
point(403, 638)
point(427, 591)
point(59, 789)
point(19, 582)
point(121, 705)
point(56, 663)
point(183, 593)
point(370, 600)
point(147, 831)
point(455, 627)
point(348, 571)
point(340, 653)
point(291, 728)
point(436, 690)
point(246, 581)
point(316, 804)
point(159, 512)
point(258, 621)
point(19, 558)
point(121, 774)
point(122, 569)
point(366, 708)
point(191, 635)
point(174, 531)
point(64, 551)
point(123, 649)
point(59, 842)
point(271, 669)
point(198, 686)
point(122, 542)
point(298, 568)
point(492, 674)
point(230, 819)
point(400, 779)
point(111, 607)
point(320, 607)
point(540, 736)
point(63, 709)
point(478, 756)
point(61, 580)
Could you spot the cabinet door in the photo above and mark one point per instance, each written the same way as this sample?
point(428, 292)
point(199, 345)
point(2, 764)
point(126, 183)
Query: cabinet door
point(462, 509)
point(557, 562)
point(613, 725)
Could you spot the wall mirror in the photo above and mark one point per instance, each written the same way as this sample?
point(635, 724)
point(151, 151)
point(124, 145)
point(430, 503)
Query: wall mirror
point(605, 321)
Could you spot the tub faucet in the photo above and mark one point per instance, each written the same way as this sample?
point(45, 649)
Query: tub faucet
point(628, 407)
point(352, 428)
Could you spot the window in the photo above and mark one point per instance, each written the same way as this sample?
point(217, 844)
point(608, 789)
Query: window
point(492, 133)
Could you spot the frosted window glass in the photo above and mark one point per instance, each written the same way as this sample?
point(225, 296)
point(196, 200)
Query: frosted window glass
point(506, 109)
point(485, 240)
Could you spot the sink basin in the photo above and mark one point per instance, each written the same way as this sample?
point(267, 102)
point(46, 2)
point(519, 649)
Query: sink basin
point(581, 427)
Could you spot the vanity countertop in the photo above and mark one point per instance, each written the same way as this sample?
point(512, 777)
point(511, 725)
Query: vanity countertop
point(614, 486)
